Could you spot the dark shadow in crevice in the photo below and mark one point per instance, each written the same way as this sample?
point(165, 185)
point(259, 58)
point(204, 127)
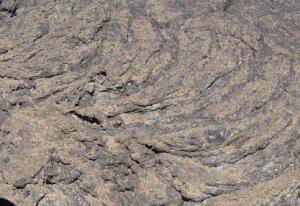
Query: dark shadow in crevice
point(88, 119)
point(5, 202)
point(11, 10)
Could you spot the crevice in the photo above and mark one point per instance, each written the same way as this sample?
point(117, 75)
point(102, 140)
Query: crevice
point(11, 11)
point(87, 119)
point(5, 202)
point(48, 76)
point(40, 199)
point(33, 55)
point(200, 200)
point(261, 106)
point(154, 149)
point(152, 54)
point(210, 195)
point(9, 77)
point(100, 27)
point(244, 42)
point(186, 199)
point(213, 82)
point(141, 109)
point(45, 97)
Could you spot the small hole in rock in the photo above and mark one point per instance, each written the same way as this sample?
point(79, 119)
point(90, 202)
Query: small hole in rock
point(103, 73)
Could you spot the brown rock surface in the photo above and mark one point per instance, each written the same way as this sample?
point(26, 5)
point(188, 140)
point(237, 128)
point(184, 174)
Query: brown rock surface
point(150, 102)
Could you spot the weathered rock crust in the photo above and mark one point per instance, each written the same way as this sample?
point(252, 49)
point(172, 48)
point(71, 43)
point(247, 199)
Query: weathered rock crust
point(150, 102)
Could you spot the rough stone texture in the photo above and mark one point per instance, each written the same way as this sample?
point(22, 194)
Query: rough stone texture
point(150, 102)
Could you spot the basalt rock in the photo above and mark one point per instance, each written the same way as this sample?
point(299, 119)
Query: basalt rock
point(145, 102)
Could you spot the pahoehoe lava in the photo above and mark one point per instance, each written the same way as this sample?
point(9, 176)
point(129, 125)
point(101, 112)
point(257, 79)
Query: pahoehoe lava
point(150, 102)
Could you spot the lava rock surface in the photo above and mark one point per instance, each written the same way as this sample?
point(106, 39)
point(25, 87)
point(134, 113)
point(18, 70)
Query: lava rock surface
point(150, 102)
